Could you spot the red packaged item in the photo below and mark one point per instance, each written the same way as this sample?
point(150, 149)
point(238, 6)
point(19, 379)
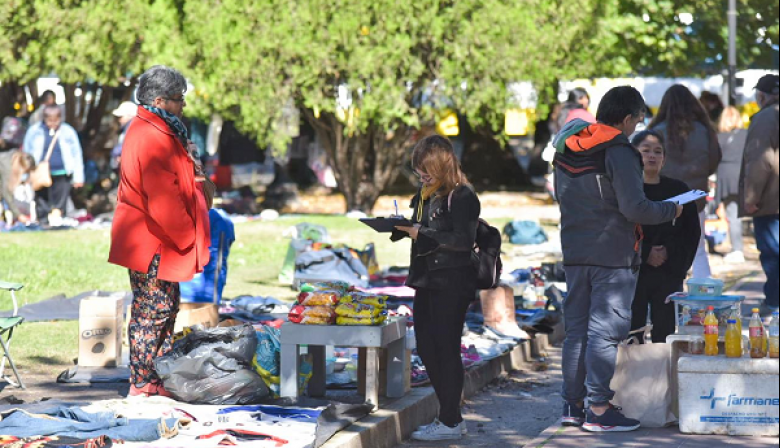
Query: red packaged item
point(319, 298)
point(312, 315)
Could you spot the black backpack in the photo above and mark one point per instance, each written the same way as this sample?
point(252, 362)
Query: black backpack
point(486, 254)
point(487, 251)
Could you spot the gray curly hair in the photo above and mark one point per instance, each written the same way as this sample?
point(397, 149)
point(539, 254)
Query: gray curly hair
point(160, 81)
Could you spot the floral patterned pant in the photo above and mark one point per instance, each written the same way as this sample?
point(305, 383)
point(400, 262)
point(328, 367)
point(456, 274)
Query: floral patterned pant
point(153, 315)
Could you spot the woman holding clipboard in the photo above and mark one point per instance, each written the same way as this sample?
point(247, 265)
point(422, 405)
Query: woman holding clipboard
point(668, 250)
point(445, 218)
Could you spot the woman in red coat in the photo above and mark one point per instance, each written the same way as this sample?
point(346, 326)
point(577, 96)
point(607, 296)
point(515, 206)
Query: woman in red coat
point(160, 231)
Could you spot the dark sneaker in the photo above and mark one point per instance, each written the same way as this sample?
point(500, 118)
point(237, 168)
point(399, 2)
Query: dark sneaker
point(573, 415)
point(611, 421)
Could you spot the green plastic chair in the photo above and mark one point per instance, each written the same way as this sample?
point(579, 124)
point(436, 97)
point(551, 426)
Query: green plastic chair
point(7, 326)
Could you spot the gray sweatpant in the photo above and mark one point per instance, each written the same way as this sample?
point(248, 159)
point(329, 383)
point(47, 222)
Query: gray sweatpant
point(597, 312)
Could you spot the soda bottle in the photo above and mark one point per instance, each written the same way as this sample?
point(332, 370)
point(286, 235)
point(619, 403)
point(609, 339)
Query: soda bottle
point(711, 333)
point(774, 336)
point(757, 336)
point(733, 340)
point(736, 314)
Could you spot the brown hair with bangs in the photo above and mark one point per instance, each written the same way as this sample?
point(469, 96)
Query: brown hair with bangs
point(435, 157)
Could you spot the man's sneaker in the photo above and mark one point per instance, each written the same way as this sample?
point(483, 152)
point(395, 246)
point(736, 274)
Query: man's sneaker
point(437, 431)
point(573, 415)
point(464, 430)
point(736, 257)
point(611, 421)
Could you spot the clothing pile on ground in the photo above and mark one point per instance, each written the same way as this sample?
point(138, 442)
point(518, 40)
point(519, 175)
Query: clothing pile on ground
point(164, 423)
point(337, 303)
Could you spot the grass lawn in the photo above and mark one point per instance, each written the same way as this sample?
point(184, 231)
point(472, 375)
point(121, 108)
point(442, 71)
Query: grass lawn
point(71, 262)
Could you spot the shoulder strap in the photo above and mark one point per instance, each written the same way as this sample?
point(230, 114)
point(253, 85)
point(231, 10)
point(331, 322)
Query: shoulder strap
point(51, 146)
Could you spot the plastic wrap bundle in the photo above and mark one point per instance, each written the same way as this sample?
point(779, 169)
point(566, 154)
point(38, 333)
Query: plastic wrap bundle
point(267, 358)
point(213, 366)
point(312, 315)
point(358, 309)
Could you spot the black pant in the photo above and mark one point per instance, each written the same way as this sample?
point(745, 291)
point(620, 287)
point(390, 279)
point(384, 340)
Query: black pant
point(653, 288)
point(439, 316)
point(54, 197)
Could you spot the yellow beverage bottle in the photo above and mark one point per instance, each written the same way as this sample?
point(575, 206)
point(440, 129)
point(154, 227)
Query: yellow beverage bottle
point(711, 333)
point(733, 340)
point(774, 336)
point(736, 314)
point(758, 340)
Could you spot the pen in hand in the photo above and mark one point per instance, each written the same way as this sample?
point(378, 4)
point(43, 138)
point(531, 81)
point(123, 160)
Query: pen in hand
point(395, 202)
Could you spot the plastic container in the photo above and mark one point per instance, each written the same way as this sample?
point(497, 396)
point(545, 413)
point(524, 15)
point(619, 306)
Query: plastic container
point(733, 340)
point(711, 333)
point(774, 336)
point(708, 287)
point(691, 311)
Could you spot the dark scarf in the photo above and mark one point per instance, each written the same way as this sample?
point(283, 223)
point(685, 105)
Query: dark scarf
point(173, 122)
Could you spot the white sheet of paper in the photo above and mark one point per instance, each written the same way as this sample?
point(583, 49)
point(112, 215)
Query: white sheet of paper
point(686, 198)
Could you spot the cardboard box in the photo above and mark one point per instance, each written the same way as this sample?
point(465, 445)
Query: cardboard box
point(100, 332)
point(204, 314)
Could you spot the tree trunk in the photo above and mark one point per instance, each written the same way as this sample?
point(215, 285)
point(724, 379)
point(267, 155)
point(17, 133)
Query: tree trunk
point(8, 97)
point(70, 106)
point(364, 164)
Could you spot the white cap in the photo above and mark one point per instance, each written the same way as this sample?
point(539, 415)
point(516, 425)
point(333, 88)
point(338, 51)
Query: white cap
point(126, 109)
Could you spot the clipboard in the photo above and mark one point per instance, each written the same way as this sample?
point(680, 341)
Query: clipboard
point(386, 225)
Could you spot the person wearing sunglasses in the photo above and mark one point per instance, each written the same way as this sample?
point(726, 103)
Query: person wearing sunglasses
point(160, 231)
point(445, 216)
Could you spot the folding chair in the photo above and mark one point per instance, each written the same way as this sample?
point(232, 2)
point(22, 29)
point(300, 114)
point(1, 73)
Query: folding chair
point(7, 325)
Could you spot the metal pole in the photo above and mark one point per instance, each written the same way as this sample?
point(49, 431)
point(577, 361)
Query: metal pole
point(732, 60)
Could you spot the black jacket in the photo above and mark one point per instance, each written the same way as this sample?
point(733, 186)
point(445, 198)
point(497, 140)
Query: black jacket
point(680, 237)
point(442, 256)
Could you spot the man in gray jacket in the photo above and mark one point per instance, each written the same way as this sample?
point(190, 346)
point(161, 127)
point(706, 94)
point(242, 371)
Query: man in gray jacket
point(600, 188)
point(760, 184)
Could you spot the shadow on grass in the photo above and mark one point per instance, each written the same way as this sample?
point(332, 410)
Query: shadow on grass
point(47, 360)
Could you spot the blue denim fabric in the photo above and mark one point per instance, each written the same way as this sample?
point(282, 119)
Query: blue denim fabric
point(74, 422)
point(767, 229)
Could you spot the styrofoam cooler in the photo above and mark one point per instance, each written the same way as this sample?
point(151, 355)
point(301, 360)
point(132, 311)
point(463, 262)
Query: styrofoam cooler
point(720, 395)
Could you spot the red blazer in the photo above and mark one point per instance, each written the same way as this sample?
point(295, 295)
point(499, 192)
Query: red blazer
point(160, 207)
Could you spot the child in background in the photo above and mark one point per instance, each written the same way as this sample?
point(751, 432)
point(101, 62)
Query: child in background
point(668, 249)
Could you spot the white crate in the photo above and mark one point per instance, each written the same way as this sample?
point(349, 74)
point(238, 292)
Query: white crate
point(738, 397)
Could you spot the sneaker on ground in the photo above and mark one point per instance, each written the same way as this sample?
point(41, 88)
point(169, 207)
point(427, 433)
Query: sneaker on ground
point(611, 421)
point(573, 415)
point(735, 257)
point(438, 431)
point(464, 430)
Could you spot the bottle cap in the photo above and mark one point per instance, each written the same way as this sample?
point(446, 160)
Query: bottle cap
point(711, 308)
point(756, 310)
point(732, 321)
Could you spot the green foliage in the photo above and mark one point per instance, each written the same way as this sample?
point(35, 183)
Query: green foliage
point(657, 41)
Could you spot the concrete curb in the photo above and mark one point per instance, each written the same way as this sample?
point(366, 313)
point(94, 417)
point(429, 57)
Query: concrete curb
point(397, 419)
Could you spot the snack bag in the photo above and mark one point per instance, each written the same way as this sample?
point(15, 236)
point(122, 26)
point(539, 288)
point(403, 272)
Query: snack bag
point(365, 299)
point(340, 287)
point(319, 298)
point(352, 309)
point(316, 315)
point(362, 321)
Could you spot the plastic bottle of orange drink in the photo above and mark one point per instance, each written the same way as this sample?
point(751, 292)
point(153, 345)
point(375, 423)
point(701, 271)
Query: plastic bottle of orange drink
point(733, 340)
point(711, 333)
point(758, 341)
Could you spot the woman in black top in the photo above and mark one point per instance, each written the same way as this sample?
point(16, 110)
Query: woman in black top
point(668, 249)
point(446, 213)
point(732, 137)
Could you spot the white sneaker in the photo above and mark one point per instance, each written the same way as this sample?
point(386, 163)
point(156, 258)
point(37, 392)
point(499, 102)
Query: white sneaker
point(735, 257)
point(464, 430)
point(438, 431)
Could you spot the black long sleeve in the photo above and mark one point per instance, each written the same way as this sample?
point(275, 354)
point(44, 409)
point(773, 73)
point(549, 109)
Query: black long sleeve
point(680, 238)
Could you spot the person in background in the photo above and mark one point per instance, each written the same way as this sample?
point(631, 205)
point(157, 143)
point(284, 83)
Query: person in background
point(732, 137)
point(598, 177)
point(58, 142)
point(47, 98)
point(759, 184)
point(669, 248)
point(713, 105)
point(446, 215)
point(125, 113)
point(576, 106)
point(692, 152)
point(161, 230)
point(11, 138)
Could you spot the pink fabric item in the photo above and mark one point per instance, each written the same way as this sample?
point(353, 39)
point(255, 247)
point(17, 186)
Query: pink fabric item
point(395, 291)
point(582, 114)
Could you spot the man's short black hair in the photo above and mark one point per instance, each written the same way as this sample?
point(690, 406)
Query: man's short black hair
point(619, 103)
